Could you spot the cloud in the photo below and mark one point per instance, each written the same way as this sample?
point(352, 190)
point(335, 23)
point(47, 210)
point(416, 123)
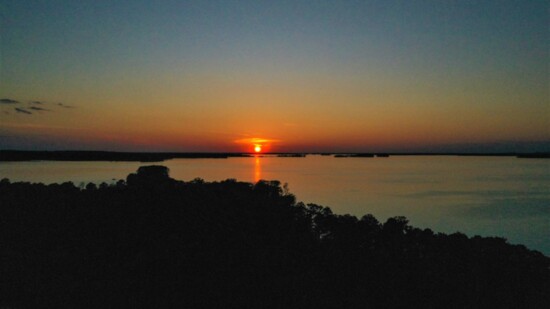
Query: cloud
point(256, 140)
point(65, 105)
point(33, 107)
point(8, 101)
point(22, 111)
point(36, 108)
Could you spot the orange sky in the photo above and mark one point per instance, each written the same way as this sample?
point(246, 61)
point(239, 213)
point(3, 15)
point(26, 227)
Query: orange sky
point(309, 77)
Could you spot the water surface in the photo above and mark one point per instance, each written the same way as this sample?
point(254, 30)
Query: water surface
point(488, 196)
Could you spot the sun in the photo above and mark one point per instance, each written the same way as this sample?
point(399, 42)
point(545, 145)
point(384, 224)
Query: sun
point(257, 148)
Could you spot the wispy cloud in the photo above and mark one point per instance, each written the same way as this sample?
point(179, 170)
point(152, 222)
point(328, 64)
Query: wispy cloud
point(256, 140)
point(36, 108)
point(32, 106)
point(22, 111)
point(65, 105)
point(8, 101)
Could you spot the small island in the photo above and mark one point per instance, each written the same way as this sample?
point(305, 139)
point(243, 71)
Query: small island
point(152, 241)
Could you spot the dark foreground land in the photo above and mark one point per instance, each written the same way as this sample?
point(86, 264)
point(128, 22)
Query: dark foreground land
point(154, 242)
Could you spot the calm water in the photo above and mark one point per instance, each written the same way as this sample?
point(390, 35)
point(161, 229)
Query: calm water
point(488, 196)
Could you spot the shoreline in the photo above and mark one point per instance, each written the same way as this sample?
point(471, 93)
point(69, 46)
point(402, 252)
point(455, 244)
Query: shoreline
point(80, 155)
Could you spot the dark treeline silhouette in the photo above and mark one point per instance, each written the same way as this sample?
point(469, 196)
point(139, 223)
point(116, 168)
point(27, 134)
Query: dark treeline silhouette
point(22, 155)
point(154, 242)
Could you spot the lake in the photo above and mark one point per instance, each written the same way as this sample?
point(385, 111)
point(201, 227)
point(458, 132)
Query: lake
point(488, 196)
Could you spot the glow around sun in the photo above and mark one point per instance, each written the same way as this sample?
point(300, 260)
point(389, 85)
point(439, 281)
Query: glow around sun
point(257, 144)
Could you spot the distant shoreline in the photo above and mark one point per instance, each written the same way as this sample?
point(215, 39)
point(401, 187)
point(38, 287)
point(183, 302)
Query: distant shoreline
point(22, 155)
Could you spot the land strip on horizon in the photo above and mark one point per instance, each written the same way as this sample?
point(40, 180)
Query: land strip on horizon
point(20, 155)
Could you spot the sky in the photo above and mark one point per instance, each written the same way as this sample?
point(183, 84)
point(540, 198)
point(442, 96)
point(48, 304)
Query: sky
point(298, 76)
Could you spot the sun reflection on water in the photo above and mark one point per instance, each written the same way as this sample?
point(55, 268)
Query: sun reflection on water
point(257, 169)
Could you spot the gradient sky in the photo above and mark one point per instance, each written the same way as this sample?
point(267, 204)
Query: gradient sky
point(302, 75)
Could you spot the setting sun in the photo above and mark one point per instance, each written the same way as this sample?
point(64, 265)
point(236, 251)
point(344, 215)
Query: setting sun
point(257, 148)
